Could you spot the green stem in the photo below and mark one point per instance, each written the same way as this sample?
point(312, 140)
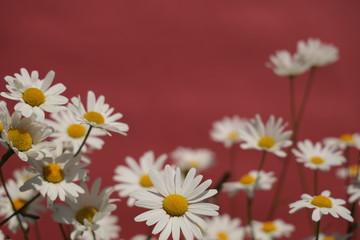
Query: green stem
point(262, 161)
point(249, 214)
point(83, 143)
point(317, 230)
point(316, 172)
point(62, 230)
point(6, 156)
point(93, 234)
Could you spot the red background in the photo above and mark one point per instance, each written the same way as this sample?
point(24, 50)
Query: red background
point(174, 67)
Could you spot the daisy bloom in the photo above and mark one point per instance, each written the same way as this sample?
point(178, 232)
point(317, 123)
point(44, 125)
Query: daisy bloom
point(227, 130)
point(187, 158)
point(351, 171)
point(85, 214)
point(19, 199)
point(136, 175)
point(316, 156)
point(286, 65)
point(316, 53)
point(222, 227)
point(175, 206)
point(269, 137)
point(109, 229)
point(22, 175)
point(34, 95)
point(344, 141)
point(25, 136)
point(98, 114)
point(142, 237)
point(272, 229)
point(354, 192)
point(322, 204)
point(247, 182)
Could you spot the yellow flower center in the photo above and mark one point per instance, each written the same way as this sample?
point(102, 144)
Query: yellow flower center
point(19, 203)
point(268, 227)
point(194, 164)
point(86, 212)
point(353, 170)
point(175, 205)
point(53, 173)
point(329, 238)
point(233, 136)
point(20, 139)
point(76, 130)
point(34, 97)
point(94, 117)
point(317, 160)
point(247, 179)
point(222, 235)
point(145, 181)
point(1, 128)
point(321, 201)
point(347, 138)
point(266, 142)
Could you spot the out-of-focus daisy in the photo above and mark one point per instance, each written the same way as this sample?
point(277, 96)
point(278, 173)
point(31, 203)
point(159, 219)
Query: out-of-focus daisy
point(25, 136)
point(34, 95)
point(19, 199)
point(109, 229)
point(316, 156)
point(72, 134)
point(284, 64)
point(333, 236)
point(187, 158)
point(316, 53)
point(98, 114)
point(344, 141)
point(322, 204)
point(227, 130)
point(176, 206)
point(136, 176)
point(351, 171)
point(247, 182)
point(222, 227)
point(354, 192)
point(272, 229)
point(142, 237)
point(269, 137)
point(91, 207)
point(22, 175)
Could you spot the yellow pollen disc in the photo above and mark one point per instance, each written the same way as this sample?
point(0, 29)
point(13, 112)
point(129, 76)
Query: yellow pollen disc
point(76, 130)
point(53, 173)
point(266, 142)
point(329, 238)
point(175, 205)
point(19, 203)
point(353, 170)
point(233, 136)
point(247, 179)
point(317, 160)
point(268, 227)
point(321, 201)
point(222, 236)
point(34, 97)
point(20, 139)
point(94, 117)
point(347, 138)
point(145, 181)
point(86, 212)
point(1, 127)
point(194, 164)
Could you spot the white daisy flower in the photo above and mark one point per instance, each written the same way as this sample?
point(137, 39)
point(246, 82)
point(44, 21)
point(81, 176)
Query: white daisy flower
point(272, 229)
point(72, 134)
point(91, 207)
point(316, 156)
point(19, 199)
point(316, 53)
point(247, 183)
point(109, 229)
point(55, 177)
point(142, 237)
point(227, 130)
point(351, 171)
point(286, 65)
point(98, 114)
point(34, 95)
point(322, 204)
point(270, 137)
point(25, 136)
point(187, 158)
point(136, 176)
point(222, 227)
point(344, 141)
point(176, 205)
point(4, 114)
point(354, 193)
point(22, 175)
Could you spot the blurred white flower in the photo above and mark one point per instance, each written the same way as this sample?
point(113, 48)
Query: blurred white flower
point(286, 65)
point(344, 141)
point(354, 193)
point(187, 158)
point(223, 227)
point(351, 171)
point(109, 229)
point(270, 230)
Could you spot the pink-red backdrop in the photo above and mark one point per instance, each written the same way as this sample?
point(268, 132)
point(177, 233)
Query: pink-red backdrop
point(174, 67)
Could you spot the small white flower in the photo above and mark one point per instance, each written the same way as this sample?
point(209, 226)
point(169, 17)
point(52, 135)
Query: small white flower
point(351, 172)
point(187, 158)
point(227, 130)
point(272, 229)
point(316, 53)
point(286, 65)
point(22, 175)
point(354, 192)
point(98, 114)
point(176, 206)
point(344, 141)
point(223, 227)
point(316, 156)
point(269, 137)
point(109, 229)
point(34, 95)
point(136, 176)
point(322, 204)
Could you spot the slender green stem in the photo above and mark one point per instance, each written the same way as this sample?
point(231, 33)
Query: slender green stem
point(93, 234)
point(316, 173)
point(317, 230)
point(292, 101)
point(249, 201)
point(6, 156)
point(84, 141)
point(262, 161)
point(62, 230)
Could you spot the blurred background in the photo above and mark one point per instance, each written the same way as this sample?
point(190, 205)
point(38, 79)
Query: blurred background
point(174, 67)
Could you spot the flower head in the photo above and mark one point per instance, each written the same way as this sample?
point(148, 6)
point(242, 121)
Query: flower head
point(272, 229)
point(344, 141)
point(286, 65)
point(187, 158)
point(222, 227)
point(108, 229)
